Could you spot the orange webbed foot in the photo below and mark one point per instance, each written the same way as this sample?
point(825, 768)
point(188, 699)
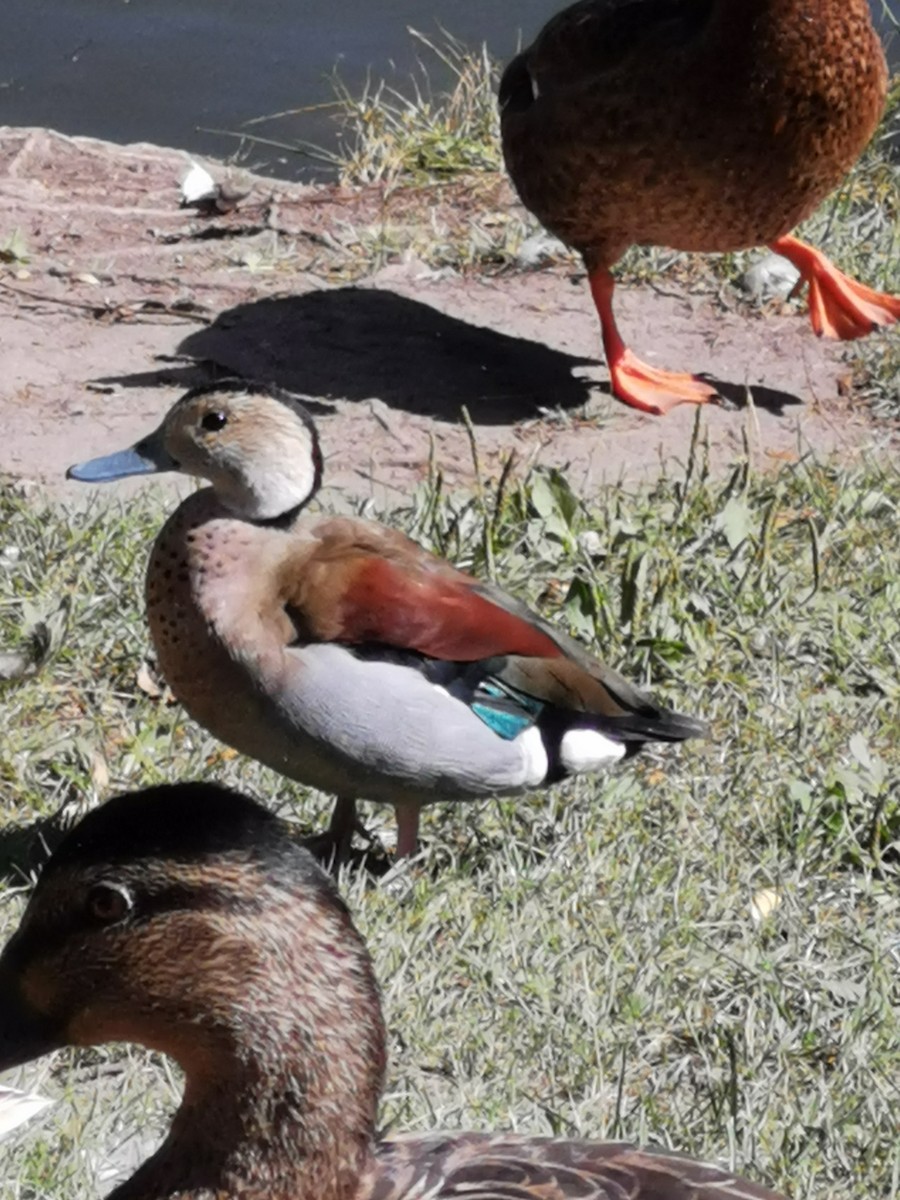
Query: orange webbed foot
point(653, 390)
point(636, 383)
point(839, 307)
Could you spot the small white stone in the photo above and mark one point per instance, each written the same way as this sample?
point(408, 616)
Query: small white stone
point(764, 903)
point(590, 543)
point(770, 276)
point(539, 248)
point(198, 185)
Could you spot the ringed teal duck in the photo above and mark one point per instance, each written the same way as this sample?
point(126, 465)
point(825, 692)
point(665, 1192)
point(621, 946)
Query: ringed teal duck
point(342, 654)
point(184, 918)
point(710, 125)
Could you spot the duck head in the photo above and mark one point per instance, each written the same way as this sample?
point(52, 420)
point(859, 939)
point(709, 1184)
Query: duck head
point(184, 918)
point(255, 444)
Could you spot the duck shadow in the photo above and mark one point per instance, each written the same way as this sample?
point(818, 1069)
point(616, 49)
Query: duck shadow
point(358, 343)
point(355, 344)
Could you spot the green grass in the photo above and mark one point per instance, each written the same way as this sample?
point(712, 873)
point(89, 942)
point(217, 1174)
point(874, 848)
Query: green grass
point(585, 960)
point(389, 136)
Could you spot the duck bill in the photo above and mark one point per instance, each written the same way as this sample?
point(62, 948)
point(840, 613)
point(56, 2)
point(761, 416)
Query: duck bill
point(24, 1033)
point(147, 457)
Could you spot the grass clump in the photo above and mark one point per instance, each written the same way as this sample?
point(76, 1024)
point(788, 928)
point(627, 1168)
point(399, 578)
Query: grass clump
point(435, 156)
point(423, 137)
point(699, 949)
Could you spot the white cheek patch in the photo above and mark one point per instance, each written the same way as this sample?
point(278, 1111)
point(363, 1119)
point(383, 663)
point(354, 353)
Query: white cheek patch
point(586, 750)
point(535, 756)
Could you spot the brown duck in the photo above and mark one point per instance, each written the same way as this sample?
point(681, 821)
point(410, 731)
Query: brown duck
point(184, 918)
point(710, 125)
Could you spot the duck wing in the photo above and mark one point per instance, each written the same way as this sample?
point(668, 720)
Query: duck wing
point(500, 1167)
point(366, 587)
point(360, 583)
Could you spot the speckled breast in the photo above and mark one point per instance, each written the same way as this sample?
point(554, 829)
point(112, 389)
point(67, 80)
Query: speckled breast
point(205, 609)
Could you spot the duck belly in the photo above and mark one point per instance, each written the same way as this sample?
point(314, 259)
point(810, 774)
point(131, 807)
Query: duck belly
point(354, 727)
point(718, 145)
point(381, 731)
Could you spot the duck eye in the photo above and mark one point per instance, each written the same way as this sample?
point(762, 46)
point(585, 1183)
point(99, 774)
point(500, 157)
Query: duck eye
point(213, 421)
point(108, 902)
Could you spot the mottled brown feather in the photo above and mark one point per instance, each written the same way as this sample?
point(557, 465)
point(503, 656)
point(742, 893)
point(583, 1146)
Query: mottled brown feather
point(505, 1167)
point(699, 124)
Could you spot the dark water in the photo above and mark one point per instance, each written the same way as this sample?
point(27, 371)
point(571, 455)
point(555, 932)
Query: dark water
point(159, 70)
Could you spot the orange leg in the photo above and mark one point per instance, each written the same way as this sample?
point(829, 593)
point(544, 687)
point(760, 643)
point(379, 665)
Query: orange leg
point(838, 306)
point(407, 829)
point(638, 384)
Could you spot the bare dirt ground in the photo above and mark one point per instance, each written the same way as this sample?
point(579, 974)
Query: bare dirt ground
point(121, 298)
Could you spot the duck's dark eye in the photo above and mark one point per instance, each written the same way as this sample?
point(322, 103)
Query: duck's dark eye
point(109, 902)
point(213, 421)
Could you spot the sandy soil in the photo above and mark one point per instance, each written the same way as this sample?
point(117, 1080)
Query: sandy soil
point(125, 298)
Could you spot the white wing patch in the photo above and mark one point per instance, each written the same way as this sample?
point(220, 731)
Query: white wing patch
point(534, 755)
point(586, 750)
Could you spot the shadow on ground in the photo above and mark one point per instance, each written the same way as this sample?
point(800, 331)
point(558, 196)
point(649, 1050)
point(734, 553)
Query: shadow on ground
point(359, 343)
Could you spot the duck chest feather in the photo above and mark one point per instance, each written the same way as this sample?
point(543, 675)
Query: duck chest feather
point(213, 614)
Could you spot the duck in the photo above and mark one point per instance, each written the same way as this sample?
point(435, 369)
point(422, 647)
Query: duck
point(702, 125)
point(186, 918)
point(342, 654)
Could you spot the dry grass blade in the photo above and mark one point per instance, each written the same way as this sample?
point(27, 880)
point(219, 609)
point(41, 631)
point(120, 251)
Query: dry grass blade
point(425, 136)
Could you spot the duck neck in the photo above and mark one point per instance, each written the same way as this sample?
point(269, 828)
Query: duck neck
point(280, 1099)
point(284, 520)
point(246, 1139)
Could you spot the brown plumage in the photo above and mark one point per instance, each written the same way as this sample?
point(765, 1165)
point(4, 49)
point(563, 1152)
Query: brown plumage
point(184, 918)
point(710, 125)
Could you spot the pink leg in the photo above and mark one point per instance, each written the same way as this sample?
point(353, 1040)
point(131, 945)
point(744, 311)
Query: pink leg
point(407, 829)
